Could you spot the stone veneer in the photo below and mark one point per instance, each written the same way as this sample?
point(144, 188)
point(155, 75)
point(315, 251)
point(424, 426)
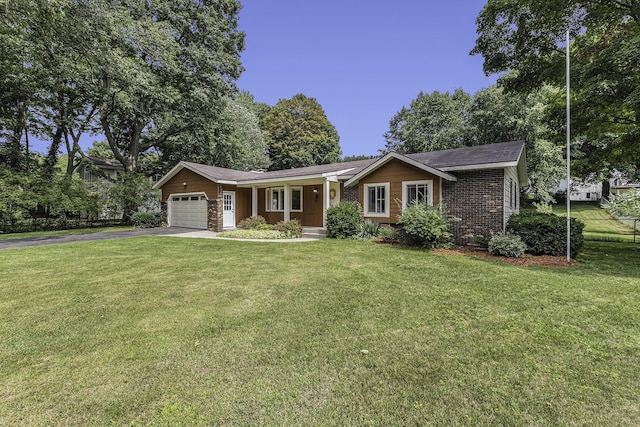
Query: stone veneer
point(164, 213)
point(477, 198)
point(214, 212)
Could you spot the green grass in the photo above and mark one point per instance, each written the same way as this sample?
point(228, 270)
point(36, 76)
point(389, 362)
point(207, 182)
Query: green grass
point(171, 331)
point(33, 234)
point(599, 225)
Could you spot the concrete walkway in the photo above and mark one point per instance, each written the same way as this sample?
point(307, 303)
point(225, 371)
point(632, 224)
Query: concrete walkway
point(108, 235)
point(204, 234)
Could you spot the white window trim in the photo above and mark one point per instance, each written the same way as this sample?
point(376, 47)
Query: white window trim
point(384, 214)
point(268, 192)
point(405, 195)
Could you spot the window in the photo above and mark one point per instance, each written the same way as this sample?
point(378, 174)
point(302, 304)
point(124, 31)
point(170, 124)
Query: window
point(376, 199)
point(275, 199)
point(296, 199)
point(421, 191)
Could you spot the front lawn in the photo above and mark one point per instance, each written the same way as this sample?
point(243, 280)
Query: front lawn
point(172, 331)
point(73, 231)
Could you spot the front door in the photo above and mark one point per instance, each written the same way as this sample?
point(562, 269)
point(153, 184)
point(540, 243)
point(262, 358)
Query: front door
point(229, 209)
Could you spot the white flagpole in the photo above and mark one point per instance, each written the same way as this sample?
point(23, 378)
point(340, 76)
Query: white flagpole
point(568, 160)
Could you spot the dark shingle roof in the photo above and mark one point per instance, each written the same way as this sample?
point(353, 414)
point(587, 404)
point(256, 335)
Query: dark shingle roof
point(447, 160)
point(504, 152)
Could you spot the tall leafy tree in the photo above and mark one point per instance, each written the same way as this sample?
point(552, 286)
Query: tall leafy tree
point(248, 148)
point(165, 70)
point(432, 122)
point(300, 134)
point(526, 36)
point(497, 116)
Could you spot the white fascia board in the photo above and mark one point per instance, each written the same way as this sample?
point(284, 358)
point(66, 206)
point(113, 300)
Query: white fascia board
point(390, 156)
point(283, 179)
point(337, 173)
point(177, 168)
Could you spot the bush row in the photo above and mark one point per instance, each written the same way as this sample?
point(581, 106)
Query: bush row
point(48, 224)
point(425, 226)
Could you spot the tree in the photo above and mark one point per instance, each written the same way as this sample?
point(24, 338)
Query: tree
point(626, 204)
point(527, 36)
point(248, 148)
point(100, 149)
point(497, 116)
point(163, 72)
point(432, 122)
point(300, 134)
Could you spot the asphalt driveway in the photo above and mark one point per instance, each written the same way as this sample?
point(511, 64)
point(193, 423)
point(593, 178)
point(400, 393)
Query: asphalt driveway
point(106, 235)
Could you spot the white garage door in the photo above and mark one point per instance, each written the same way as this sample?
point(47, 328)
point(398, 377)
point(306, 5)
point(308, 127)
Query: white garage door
point(188, 211)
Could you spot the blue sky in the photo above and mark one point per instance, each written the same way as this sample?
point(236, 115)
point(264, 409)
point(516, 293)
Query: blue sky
point(361, 60)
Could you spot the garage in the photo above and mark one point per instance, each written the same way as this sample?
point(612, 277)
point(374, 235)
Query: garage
point(188, 211)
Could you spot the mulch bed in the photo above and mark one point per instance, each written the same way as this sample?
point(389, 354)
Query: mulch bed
point(474, 251)
point(541, 260)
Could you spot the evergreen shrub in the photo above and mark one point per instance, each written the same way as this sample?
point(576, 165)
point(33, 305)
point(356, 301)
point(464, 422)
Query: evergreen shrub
point(546, 234)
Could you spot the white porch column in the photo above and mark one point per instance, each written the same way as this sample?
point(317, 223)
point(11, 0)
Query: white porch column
point(326, 200)
point(287, 204)
point(254, 201)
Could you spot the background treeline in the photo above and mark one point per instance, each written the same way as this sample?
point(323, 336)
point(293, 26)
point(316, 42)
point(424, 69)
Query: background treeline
point(155, 82)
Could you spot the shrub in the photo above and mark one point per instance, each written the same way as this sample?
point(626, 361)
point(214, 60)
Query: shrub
point(424, 226)
point(344, 219)
point(292, 229)
point(387, 232)
point(507, 244)
point(368, 229)
point(146, 219)
point(546, 234)
point(252, 222)
point(253, 233)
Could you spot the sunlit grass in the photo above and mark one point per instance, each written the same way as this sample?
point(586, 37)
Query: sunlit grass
point(170, 331)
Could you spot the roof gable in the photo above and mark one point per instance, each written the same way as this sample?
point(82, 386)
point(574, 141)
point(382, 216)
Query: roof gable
point(387, 158)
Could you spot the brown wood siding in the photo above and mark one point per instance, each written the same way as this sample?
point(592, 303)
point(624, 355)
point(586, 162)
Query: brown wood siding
point(243, 203)
point(195, 184)
point(395, 172)
point(311, 206)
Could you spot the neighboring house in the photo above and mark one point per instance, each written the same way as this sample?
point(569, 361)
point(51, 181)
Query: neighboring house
point(588, 190)
point(479, 185)
point(95, 169)
point(619, 184)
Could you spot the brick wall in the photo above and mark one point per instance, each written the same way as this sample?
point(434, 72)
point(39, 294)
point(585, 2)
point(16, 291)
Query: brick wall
point(350, 194)
point(477, 198)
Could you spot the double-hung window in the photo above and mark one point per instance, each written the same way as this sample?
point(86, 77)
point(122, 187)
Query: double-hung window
point(376, 199)
point(417, 191)
point(275, 199)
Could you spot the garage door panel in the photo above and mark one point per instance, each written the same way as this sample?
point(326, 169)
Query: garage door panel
point(188, 211)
